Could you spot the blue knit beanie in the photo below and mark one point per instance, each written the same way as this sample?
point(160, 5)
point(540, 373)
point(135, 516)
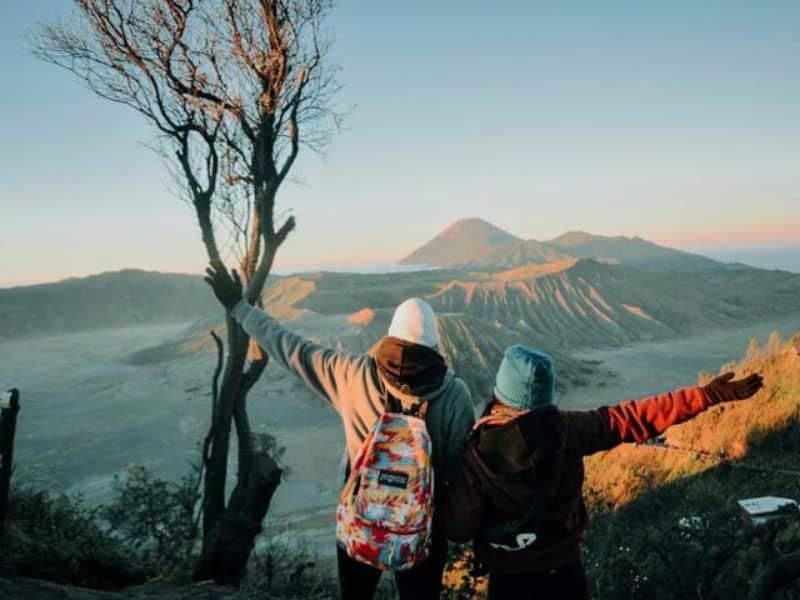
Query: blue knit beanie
point(526, 379)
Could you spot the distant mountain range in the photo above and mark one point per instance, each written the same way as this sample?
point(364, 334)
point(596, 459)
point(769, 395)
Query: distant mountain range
point(494, 289)
point(559, 307)
point(571, 303)
point(116, 299)
point(477, 244)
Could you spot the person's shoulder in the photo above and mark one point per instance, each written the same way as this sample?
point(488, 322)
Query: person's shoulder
point(460, 389)
point(452, 392)
point(565, 418)
point(460, 399)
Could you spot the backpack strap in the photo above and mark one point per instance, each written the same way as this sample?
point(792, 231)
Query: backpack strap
point(422, 409)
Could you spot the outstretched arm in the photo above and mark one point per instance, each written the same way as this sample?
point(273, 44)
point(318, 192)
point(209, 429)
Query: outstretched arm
point(323, 370)
point(638, 421)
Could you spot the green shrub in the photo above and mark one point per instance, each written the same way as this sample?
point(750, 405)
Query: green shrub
point(56, 538)
point(155, 520)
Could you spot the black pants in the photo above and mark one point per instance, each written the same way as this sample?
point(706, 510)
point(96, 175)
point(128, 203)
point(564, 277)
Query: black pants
point(565, 583)
point(358, 581)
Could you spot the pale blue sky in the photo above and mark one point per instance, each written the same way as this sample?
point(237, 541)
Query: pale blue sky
point(678, 121)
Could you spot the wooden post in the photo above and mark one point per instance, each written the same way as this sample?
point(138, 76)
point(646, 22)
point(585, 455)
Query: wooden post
point(9, 407)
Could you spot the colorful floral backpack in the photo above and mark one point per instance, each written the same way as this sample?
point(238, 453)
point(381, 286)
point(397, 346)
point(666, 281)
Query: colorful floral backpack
point(385, 511)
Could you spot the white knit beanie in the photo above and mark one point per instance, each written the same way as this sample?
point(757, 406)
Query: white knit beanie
point(414, 321)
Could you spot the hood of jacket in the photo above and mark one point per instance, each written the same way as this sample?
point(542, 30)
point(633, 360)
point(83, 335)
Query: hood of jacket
point(410, 370)
point(525, 447)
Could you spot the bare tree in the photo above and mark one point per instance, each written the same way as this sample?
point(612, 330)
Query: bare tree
point(233, 89)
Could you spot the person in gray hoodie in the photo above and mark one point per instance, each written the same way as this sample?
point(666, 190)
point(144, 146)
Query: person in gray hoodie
point(405, 366)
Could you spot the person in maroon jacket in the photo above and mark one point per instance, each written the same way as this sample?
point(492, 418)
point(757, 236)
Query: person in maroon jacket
point(518, 488)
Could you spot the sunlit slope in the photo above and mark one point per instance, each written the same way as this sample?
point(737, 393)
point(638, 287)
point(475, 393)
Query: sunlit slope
point(345, 293)
point(579, 302)
point(566, 304)
point(760, 433)
point(587, 303)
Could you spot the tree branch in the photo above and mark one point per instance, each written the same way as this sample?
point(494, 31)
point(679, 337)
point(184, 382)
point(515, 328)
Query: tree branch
point(271, 245)
point(293, 126)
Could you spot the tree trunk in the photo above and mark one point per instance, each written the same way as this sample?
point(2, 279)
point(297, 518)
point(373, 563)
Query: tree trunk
point(229, 532)
point(231, 540)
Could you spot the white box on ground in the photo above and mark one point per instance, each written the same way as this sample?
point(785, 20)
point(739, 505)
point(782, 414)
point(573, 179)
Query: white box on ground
point(763, 509)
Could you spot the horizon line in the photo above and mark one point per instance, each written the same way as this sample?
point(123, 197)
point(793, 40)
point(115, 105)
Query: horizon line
point(374, 267)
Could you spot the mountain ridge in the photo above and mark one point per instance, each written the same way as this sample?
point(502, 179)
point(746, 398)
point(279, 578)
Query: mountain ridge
point(462, 245)
point(128, 297)
point(560, 308)
point(460, 239)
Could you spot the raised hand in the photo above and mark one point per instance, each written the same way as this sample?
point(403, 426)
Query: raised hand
point(227, 287)
point(725, 389)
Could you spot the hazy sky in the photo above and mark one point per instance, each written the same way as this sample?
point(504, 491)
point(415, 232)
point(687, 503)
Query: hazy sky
point(678, 121)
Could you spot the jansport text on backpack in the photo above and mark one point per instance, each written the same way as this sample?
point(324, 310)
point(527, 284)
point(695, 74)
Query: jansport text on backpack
point(385, 512)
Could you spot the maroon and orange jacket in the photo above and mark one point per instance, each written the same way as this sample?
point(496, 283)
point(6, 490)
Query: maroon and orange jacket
point(518, 490)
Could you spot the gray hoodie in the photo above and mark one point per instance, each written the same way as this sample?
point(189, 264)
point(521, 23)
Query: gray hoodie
point(352, 385)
